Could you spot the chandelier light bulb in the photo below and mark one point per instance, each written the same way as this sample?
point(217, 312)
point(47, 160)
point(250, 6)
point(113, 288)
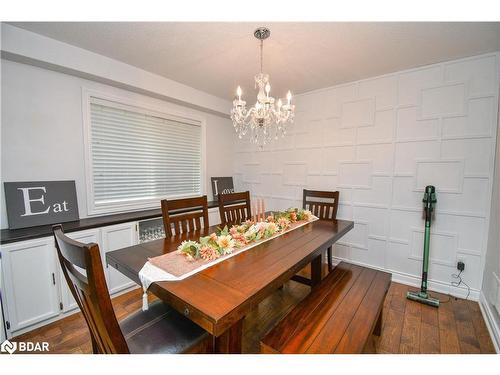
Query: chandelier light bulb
point(268, 88)
point(279, 104)
point(238, 92)
point(289, 96)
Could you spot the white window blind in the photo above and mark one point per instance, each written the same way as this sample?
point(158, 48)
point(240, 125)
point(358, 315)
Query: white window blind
point(140, 156)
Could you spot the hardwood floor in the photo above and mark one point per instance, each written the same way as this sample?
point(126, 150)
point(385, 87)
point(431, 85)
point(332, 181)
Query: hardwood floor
point(408, 327)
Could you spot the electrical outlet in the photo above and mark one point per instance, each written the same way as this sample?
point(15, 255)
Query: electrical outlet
point(460, 265)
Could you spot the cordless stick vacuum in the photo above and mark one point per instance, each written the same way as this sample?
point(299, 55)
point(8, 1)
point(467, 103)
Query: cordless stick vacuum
point(422, 296)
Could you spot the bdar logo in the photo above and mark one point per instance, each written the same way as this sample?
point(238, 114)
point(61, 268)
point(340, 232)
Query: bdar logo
point(8, 347)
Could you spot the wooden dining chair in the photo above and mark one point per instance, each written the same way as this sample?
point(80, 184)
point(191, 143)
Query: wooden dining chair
point(160, 329)
point(234, 208)
point(177, 220)
point(324, 205)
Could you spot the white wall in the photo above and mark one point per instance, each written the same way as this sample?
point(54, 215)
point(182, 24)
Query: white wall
point(379, 142)
point(491, 282)
point(42, 128)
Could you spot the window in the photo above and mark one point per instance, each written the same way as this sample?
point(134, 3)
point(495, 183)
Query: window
point(136, 157)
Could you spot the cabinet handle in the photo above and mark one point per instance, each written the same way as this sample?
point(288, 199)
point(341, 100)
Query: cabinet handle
point(53, 278)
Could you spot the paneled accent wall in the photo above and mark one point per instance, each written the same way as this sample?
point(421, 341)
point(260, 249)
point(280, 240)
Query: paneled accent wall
point(379, 142)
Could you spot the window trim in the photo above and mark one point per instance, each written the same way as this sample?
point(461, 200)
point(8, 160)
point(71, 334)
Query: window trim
point(147, 108)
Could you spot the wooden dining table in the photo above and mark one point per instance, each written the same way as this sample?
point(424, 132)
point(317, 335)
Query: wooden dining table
point(219, 297)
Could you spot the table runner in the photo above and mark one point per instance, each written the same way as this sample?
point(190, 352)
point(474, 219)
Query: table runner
point(179, 268)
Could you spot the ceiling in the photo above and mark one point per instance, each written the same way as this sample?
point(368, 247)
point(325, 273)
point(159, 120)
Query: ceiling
point(217, 57)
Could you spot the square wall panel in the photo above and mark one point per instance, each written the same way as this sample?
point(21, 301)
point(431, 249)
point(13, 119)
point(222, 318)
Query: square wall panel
point(376, 218)
point(358, 113)
point(300, 122)
point(283, 143)
point(358, 236)
point(478, 72)
point(312, 136)
point(472, 201)
point(398, 259)
point(335, 135)
point(407, 153)
point(251, 172)
point(295, 174)
point(382, 131)
point(344, 212)
point(412, 82)
point(265, 161)
point(477, 153)
point(313, 157)
point(334, 155)
point(317, 182)
point(446, 176)
point(383, 89)
point(443, 101)
point(410, 128)
point(401, 223)
point(443, 246)
point(381, 156)
point(404, 194)
point(472, 273)
point(480, 120)
point(355, 174)
point(341, 251)
point(374, 255)
point(313, 104)
point(467, 228)
point(378, 194)
point(335, 96)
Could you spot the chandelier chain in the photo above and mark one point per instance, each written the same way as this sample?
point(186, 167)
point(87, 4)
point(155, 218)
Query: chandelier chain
point(261, 54)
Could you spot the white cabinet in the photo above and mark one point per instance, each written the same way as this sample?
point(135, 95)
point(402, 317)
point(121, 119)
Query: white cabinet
point(213, 216)
point(30, 276)
point(3, 336)
point(116, 237)
point(86, 236)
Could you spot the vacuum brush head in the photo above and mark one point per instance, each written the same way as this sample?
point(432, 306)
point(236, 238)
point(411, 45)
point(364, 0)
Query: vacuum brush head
point(423, 298)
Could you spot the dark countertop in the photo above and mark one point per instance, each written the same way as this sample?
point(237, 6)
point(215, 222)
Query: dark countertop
point(23, 234)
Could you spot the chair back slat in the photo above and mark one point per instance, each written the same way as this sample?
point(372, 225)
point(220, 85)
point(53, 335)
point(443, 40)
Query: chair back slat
point(182, 222)
point(324, 204)
point(82, 268)
point(234, 208)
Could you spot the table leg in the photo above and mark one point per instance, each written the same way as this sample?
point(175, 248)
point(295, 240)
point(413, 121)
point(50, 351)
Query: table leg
point(329, 255)
point(230, 341)
point(316, 270)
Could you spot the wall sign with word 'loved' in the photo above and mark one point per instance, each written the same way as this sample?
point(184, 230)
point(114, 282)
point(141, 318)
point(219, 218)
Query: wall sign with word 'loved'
point(222, 185)
point(41, 202)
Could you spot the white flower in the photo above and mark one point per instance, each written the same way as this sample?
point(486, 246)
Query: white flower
point(226, 243)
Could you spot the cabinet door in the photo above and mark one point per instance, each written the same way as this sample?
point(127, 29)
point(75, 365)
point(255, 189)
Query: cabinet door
point(213, 216)
point(113, 238)
point(2, 326)
point(86, 236)
point(29, 275)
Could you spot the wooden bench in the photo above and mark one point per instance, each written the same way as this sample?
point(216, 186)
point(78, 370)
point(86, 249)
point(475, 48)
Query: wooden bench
point(338, 316)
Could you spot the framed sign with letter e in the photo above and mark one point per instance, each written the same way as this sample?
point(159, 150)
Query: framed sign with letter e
point(37, 203)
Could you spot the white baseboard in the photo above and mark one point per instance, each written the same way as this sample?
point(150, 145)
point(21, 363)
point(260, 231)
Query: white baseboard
point(491, 323)
point(433, 285)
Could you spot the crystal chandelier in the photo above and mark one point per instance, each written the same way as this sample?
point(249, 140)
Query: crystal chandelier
point(267, 119)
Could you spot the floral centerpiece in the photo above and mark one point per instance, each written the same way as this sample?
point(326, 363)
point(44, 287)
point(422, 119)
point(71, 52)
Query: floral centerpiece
point(225, 240)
